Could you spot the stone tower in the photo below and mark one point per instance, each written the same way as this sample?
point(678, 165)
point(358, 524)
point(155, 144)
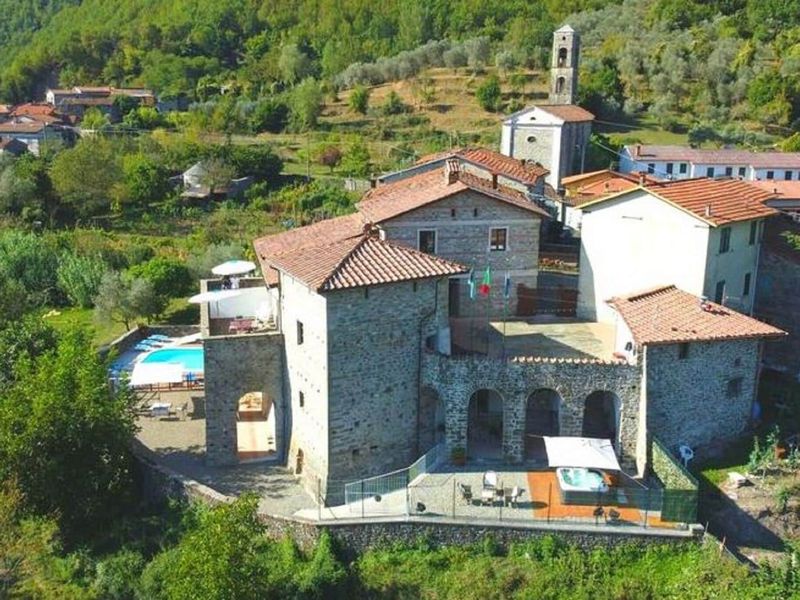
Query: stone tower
point(564, 66)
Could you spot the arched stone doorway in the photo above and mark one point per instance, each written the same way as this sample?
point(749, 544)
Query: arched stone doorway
point(485, 425)
point(430, 423)
point(541, 418)
point(601, 412)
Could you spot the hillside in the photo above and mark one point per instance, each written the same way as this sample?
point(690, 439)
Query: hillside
point(722, 71)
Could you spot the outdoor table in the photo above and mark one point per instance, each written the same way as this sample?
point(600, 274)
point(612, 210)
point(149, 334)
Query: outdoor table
point(241, 325)
point(488, 495)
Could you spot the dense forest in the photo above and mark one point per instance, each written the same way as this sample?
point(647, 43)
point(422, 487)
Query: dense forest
point(706, 61)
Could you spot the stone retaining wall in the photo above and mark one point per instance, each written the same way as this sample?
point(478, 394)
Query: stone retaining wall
point(160, 483)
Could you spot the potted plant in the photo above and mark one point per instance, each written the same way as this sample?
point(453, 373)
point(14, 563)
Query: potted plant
point(459, 456)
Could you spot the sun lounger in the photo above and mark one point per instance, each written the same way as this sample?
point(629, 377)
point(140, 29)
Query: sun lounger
point(160, 338)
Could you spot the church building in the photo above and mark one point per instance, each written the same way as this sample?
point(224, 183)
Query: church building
point(553, 135)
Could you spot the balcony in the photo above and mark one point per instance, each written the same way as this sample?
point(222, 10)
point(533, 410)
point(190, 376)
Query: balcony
point(252, 310)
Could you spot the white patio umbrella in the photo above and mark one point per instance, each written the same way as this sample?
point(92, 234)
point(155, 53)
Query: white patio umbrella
point(234, 267)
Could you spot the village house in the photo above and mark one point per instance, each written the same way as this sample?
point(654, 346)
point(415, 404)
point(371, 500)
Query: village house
point(703, 235)
point(680, 162)
point(34, 135)
point(553, 135)
point(12, 147)
point(786, 196)
point(77, 100)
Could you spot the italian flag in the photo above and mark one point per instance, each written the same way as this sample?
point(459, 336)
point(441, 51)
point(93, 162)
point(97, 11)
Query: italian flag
point(486, 284)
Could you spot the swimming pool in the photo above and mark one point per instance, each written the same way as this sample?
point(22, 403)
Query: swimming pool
point(190, 357)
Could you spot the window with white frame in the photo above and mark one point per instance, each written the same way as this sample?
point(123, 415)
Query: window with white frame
point(426, 241)
point(498, 239)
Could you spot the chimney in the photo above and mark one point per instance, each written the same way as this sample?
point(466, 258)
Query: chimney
point(642, 178)
point(494, 181)
point(703, 303)
point(373, 182)
point(708, 210)
point(638, 150)
point(370, 230)
point(451, 169)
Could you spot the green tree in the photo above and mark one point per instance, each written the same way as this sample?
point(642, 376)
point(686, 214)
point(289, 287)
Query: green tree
point(65, 436)
point(123, 300)
point(146, 179)
point(356, 161)
point(270, 114)
point(79, 277)
point(29, 337)
point(489, 95)
point(294, 64)
point(95, 120)
point(169, 277)
point(86, 176)
point(330, 157)
point(306, 105)
point(359, 99)
point(393, 105)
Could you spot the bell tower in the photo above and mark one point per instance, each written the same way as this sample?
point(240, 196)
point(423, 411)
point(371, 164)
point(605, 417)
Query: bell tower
point(564, 66)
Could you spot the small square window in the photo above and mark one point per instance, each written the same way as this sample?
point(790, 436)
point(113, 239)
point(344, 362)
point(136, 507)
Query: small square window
point(724, 240)
point(356, 453)
point(669, 168)
point(300, 333)
point(426, 241)
point(498, 239)
point(709, 171)
point(770, 174)
point(683, 350)
point(742, 171)
point(682, 168)
point(734, 387)
point(728, 171)
point(787, 175)
point(453, 213)
point(651, 168)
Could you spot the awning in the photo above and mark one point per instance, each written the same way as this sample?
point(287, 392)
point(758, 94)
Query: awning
point(156, 373)
point(214, 296)
point(591, 453)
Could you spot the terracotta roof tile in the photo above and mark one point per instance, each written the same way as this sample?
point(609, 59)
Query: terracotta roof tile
point(393, 199)
point(567, 112)
point(715, 201)
point(360, 261)
point(720, 156)
point(523, 171)
point(668, 315)
point(780, 189)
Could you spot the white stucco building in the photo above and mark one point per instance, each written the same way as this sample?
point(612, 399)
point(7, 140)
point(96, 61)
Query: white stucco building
point(681, 162)
point(702, 235)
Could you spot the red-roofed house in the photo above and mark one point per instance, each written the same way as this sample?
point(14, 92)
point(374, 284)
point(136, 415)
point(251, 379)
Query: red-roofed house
point(704, 235)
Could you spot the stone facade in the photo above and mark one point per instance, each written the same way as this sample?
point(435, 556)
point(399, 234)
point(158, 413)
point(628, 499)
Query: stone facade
point(564, 66)
point(234, 366)
point(704, 398)
point(375, 337)
point(462, 223)
point(457, 379)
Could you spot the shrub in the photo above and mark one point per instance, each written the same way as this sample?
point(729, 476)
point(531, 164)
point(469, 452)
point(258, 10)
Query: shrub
point(489, 95)
point(117, 577)
point(359, 99)
point(79, 277)
point(393, 105)
point(269, 114)
point(169, 277)
point(330, 157)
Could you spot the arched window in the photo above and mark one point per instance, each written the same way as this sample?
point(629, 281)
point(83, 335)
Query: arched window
point(562, 57)
point(559, 85)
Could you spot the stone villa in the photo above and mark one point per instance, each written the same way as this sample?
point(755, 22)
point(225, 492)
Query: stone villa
point(417, 320)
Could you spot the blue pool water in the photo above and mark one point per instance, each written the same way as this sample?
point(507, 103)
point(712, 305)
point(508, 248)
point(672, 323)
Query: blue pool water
point(191, 357)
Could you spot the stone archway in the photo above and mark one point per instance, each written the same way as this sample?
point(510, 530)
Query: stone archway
point(601, 416)
point(485, 425)
point(542, 416)
point(430, 422)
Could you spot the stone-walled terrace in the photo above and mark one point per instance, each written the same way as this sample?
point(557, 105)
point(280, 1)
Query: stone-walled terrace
point(252, 311)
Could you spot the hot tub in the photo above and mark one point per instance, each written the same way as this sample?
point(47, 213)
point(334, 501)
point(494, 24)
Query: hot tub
point(578, 485)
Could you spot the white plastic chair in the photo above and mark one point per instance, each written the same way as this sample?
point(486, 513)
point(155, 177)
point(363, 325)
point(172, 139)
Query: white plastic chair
point(490, 480)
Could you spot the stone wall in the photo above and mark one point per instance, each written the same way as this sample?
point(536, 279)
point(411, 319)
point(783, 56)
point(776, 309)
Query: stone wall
point(777, 292)
point(689, 400)
point(574, 139)
point(234, 366)
point(540, 149)
point(374, 348)
point(455, 379)
point(463, 236)
point(679, 502)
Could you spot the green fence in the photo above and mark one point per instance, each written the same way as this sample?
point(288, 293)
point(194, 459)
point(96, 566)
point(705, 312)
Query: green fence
point(680, 494)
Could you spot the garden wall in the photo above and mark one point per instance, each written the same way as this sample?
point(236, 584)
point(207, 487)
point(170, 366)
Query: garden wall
point(679, 501)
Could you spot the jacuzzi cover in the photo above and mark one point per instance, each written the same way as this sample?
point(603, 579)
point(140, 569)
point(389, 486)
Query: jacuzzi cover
point(591, 453)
